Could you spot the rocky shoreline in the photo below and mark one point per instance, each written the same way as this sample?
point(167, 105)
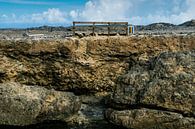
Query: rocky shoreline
point(132, 82)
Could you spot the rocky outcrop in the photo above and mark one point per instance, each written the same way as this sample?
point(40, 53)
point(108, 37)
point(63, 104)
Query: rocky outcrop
point(24, 105)
point(144, 80)
point(158, 95)
point(64, 65)
point(85, 65)
point(150, 119)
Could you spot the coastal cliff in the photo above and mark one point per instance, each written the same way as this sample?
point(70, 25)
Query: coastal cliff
point(99, 82)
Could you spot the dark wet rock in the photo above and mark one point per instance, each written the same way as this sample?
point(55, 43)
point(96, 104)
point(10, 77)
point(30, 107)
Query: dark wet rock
point(25, 105)
point(91, 114)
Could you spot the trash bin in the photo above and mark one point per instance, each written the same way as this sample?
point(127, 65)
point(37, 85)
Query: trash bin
point(131, 29)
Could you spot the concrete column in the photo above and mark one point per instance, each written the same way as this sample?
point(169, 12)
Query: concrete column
point(93, 29)
point(127, 32)
point(73, 29)
point(108, 29)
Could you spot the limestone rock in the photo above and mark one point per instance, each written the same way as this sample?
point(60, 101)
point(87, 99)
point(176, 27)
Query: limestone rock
point(169, 83)
point(130, 86)
point(159, 94)
point(89, 64)
point(149, 119)
point(95, 67)
point(172, 82)
point(25, 105)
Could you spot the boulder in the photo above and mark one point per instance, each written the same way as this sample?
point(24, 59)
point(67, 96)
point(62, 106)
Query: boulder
point(24, 105)
point(159, 94)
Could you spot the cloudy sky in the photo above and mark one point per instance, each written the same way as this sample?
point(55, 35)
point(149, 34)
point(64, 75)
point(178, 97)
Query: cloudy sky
point(28, 13)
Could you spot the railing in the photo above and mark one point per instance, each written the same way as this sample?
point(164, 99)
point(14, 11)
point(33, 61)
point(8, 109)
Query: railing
point(108, 24)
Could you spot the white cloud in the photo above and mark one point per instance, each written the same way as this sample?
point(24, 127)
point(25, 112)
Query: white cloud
point(74, 14)
point(52, 15)
point(181, 17)
point(102, 10)
point(4, 16)
point(120, 10)
point(177, 16)
point(110, 10)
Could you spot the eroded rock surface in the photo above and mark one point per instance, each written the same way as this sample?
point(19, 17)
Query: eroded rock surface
point(149, 119)
point(150, 78)
point(25, 105)
point(81, 65)
point(158, 95)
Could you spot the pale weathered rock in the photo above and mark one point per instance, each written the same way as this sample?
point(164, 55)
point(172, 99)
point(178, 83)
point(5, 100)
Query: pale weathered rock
point(25, 105)
point(90, 64)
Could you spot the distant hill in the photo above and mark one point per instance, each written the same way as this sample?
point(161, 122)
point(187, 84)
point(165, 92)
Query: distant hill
point(188, 23)
point(157, 26)
point(50, 28)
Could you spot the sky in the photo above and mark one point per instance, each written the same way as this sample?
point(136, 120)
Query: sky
point(31, 13)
